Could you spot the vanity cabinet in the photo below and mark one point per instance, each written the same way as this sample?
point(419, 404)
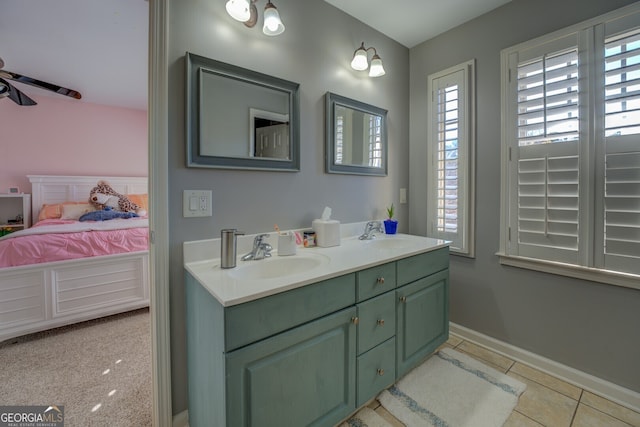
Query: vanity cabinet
point(422, 311)
point(302, 377)
point(312, 355)
point(422, 316)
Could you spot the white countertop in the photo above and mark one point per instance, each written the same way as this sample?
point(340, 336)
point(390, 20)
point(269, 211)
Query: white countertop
point(230, 289)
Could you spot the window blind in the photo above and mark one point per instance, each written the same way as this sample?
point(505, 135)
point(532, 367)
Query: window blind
point(375, 138)
point(548, 99)
point(571, 151)
point(622, 157)
point(447, 162)
point(339, 136)
point(450, 154)
point(547, 159)
point(622, 85)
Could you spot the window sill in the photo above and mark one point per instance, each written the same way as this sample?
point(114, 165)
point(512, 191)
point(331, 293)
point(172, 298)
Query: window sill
point(585, 273)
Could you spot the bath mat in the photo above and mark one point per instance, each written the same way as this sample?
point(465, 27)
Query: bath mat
point(366, 417)
point(451, 389)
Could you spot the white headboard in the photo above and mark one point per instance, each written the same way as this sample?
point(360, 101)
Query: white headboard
point(57, 189)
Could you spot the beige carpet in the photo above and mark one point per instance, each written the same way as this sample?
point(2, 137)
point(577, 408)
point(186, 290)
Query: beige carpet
point(99, 370)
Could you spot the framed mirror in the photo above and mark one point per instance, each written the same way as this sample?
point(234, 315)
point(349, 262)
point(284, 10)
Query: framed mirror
point(355, 137)
point(239, 118)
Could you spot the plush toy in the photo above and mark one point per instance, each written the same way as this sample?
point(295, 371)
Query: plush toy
point(103, 195)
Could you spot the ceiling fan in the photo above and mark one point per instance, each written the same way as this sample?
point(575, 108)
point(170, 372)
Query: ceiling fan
point(7, 89)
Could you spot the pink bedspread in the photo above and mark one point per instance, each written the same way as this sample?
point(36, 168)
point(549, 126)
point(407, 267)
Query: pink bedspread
point(34, 248)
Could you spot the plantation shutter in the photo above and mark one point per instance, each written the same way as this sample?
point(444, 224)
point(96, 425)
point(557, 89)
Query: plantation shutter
point(448, 154)
point(622, 153)
point(546, 203)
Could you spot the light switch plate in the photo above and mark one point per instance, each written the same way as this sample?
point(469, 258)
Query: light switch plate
point(196, 203)
point(403, 195)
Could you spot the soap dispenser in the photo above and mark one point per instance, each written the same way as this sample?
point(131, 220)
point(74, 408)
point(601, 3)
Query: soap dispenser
point(228, 247)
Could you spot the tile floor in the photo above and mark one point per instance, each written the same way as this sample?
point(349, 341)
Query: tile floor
point(547, 402)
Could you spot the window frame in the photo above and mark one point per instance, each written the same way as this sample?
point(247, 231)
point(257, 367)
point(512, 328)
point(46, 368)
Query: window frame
point(590, 38)
point(462, 242)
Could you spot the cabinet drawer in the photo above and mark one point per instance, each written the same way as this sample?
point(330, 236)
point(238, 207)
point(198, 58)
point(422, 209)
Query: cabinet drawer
point(422, 265)
point(377, 321)
point(376, 280)
point(255, 320)
point(376, 370)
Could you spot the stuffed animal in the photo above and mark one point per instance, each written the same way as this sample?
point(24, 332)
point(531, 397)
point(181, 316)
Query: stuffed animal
point(103, 195)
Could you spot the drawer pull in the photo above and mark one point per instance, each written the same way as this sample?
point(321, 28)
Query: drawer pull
point(403, 299)
point(380, 322)
point(380, 371)
point(355, 320)
point(380, 280)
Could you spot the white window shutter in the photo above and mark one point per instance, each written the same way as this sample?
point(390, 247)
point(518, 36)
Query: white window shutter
point(571, 151)
point(450, 157)
point(622, 154)
point(548, 214)
point(546, 209)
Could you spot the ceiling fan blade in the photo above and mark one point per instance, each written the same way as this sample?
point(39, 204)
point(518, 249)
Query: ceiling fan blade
point(43, 85)
point(17, 96)
point(4, 90)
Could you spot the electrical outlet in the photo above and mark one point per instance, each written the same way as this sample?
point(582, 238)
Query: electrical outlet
point(196, 203)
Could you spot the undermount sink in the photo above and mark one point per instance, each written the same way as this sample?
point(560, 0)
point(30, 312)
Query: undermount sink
point(270, 268)
point(388, 242)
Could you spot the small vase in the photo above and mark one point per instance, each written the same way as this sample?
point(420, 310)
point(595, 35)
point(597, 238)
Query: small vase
point(390, 226)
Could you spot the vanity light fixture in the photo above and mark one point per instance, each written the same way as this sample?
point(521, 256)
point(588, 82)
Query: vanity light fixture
point(245, 11)
point(360, 61)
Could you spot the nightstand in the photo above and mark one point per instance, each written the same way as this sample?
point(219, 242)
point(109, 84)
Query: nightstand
point(15, 212)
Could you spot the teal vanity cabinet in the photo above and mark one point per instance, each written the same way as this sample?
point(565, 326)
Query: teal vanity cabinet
point(422, 307)
point(376, 330)
point(284, 360)
point(302, 377)
point(313, 355)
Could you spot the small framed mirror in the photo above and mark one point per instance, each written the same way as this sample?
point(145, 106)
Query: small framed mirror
point(355, 137)
point(239, 118)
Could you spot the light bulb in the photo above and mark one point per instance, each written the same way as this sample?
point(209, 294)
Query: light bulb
point(376, 69)
point(359, 61)
point(239, 10)
point(272, 23)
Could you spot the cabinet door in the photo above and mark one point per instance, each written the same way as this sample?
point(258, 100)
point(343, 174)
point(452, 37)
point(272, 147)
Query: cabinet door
point(302, 377)
point(422, 319)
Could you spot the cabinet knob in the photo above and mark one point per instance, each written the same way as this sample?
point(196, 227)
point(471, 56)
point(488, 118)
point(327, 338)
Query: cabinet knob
point(355, 320)
point(381, 322)
point(380, 280)
point(403, 299)
point(380, 371)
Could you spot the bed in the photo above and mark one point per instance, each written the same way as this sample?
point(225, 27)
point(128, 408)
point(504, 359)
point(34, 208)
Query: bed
point(50, 294)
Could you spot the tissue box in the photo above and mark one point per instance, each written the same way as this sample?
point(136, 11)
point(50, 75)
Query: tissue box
point(327, 232)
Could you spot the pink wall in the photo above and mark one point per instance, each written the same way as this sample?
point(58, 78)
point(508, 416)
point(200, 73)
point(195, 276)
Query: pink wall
point(68, 137)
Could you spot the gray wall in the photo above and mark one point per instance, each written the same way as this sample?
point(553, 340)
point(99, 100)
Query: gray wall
point(315, 51)
point(589, 326)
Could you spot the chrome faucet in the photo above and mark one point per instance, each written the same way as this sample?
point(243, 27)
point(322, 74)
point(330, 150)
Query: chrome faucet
point(261, 249)
point(369, 228)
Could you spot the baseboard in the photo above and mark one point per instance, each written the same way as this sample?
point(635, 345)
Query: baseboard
point(615, 393)
point(181, 419)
